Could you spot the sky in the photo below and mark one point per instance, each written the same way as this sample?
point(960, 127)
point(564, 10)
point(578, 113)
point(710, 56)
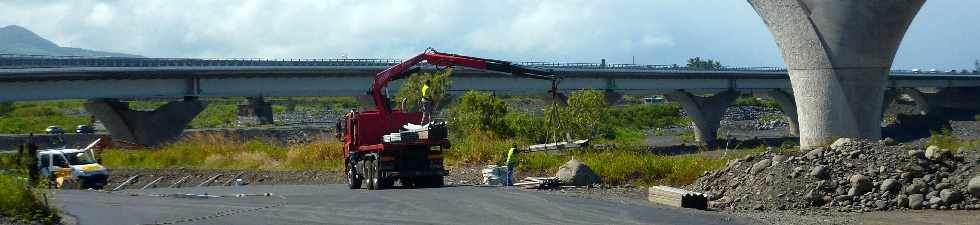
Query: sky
point(943, 35)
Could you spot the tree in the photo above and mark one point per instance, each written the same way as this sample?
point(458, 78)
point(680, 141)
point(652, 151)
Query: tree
point(698, 63)
point(479, 111)
point(411, 89)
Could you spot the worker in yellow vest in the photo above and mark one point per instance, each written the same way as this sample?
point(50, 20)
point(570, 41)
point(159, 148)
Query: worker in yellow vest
point(426, 103)
point(511, 165)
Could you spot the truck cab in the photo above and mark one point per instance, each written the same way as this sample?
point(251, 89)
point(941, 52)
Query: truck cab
point(62, 163)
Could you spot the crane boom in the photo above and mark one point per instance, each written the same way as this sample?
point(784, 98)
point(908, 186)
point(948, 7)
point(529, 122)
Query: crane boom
point(433, 57)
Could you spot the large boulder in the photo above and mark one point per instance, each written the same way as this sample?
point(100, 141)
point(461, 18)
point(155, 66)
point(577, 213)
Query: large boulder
point(840, 144)
point(760, 166)
point(916, 201)
point(974, 186)
point(576, 173)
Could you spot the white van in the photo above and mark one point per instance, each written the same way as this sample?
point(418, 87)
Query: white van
point(78, 163)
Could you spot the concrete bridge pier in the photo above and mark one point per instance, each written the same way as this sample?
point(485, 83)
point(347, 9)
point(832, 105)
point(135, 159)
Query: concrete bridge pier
point(257, 108)
point(613, 97)
point(705, 112)
point(839, 54)
point(788, 105)
point(149, 128)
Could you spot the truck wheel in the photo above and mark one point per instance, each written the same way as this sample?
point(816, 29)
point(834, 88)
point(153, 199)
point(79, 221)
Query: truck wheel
point(436, 181)
point(373, 175)
point(408, 182)
point(353, 182)
point(382, 182)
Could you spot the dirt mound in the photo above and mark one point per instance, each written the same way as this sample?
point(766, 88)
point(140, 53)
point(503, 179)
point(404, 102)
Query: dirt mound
point(850, 176)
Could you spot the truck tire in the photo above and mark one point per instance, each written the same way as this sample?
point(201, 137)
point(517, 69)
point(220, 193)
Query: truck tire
point(382, 182)
point(353, 182)
point(436, 181)
point(408, 182)
point(370, 171)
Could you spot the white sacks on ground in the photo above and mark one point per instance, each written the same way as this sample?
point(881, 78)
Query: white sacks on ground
point(494, 175)
point(577, 174)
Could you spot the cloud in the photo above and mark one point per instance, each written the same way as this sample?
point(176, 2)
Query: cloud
point(651, 31)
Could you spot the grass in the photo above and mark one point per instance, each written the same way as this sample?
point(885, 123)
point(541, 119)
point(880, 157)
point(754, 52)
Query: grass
point(34, 117)
point(20, 201)
point(945, 140)
point(634, 164)
point(216, 151)
point(753, 101)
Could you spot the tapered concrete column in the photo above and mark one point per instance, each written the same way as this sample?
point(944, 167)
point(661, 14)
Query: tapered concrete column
point(257, 108)
point(706, 112)
point(839, 54)
point(788, 106)
point(149, 128)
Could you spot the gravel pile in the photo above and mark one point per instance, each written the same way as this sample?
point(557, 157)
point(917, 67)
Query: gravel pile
point(306, 116)
point(762, 118)
point(849, 176)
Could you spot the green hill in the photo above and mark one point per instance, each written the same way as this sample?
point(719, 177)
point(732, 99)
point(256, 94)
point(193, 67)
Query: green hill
point(19, 40)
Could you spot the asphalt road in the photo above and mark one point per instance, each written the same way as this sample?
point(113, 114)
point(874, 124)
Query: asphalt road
point(335, 204)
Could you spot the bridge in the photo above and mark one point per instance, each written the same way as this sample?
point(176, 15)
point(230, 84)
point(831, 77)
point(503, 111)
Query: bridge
point(102, 80)
point(839, 56)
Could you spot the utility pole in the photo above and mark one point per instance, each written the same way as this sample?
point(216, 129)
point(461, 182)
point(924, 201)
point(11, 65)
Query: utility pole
point(976, 64)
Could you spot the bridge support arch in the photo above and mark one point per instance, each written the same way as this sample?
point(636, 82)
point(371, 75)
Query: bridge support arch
point(257, 109)
point(705, 112)
point(788, 105)
point(839, 54)
point(150, 128)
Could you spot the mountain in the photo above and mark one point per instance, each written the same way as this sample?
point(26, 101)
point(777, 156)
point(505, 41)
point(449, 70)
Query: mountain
point(18, 40)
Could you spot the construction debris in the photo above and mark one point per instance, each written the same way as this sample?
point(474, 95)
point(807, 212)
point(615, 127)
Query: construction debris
point(540, 183)
point(677, 197)
point(558, 146)
point(494, 175)
point(127, 182)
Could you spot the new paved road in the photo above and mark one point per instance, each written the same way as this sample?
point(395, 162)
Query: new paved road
point(335, 204)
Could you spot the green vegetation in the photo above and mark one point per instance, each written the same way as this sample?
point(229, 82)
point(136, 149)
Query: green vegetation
point(21, 199)
point(216, 151)
point(34, 117)
point(411, 90)
point(945, 140)
point(698, 63)
point(481, 135)
point(216, 115)
point(759, 102)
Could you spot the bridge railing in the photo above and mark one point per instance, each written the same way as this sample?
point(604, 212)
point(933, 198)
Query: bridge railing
point(47, 61)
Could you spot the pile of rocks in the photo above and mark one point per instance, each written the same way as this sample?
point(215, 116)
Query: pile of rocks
point(850, 176)
point(757, 116)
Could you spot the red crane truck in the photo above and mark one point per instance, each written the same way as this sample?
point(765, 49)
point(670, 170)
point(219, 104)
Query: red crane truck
point(372, 152)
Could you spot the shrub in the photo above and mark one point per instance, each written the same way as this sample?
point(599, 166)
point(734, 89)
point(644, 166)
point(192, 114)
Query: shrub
point(479, 111)
point(22, 202)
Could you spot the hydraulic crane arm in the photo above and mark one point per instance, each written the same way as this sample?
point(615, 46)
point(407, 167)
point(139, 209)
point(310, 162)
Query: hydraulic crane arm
point(451, 60)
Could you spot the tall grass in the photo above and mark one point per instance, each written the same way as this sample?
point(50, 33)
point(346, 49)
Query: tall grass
point(217, 151)
point(18, 200)
point(629, 165)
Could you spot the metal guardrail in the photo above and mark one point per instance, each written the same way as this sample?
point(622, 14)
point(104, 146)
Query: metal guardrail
point(47, 61)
